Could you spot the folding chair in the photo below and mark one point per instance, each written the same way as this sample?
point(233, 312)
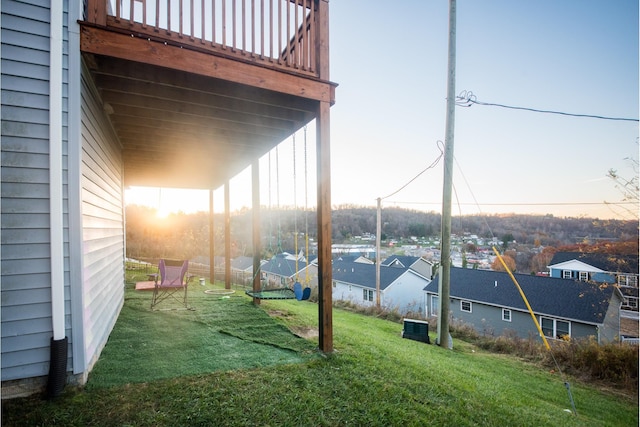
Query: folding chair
point(171, 282)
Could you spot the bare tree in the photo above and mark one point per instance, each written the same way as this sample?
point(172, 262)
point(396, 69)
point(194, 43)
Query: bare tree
point(628, 187)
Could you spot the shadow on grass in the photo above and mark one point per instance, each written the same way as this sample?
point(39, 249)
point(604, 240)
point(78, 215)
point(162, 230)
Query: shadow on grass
point(222, 333)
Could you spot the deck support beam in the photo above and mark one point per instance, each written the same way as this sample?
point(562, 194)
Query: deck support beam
point(257, 244)
point(325, 298)
point(212, 241)
point(227, 237)
point(325, 279)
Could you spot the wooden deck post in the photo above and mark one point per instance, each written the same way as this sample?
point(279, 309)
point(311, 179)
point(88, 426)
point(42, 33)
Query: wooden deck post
point(325, 314)
point(325, 279)
point(97, 12)
point(227, 237)
point(212, 240)
point(257, 244)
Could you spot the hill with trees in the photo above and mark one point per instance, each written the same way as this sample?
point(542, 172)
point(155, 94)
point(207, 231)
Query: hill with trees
point(187, 235)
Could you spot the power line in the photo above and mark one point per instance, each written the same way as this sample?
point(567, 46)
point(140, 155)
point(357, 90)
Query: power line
point(431, 166)
point(467, 99)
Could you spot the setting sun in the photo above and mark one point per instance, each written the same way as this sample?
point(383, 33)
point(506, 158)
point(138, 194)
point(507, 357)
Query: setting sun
point(162, 213)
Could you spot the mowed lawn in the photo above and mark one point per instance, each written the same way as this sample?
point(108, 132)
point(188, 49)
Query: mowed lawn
point(231, 363)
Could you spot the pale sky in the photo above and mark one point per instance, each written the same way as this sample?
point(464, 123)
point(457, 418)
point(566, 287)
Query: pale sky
point(390, 61)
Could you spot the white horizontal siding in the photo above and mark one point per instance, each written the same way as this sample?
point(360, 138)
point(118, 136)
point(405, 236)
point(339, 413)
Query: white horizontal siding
point(102, 223)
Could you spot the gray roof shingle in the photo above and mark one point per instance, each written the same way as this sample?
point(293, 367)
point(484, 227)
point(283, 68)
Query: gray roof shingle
point(365, 274)
point(569, 299)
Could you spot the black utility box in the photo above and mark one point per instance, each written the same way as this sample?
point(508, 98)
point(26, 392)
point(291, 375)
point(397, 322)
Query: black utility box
point(417, 330)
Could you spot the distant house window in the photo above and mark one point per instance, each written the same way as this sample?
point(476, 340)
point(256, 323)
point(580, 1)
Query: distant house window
point(628, 280)
point(335, 284)
point(566, 274)
point(583, 276)
point(553, 328)
point(465, 306)
point(283, 280)
point(630, 303)
point(367, 294)
point(506, 315)
point(435, 305)
point(349, 288)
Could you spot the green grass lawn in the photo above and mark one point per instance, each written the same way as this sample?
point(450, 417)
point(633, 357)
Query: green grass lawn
point(231, 363)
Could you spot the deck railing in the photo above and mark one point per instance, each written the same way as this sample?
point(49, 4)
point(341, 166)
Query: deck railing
point(282, 33)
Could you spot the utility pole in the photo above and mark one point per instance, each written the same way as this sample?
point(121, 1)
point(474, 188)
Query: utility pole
point(444, 339)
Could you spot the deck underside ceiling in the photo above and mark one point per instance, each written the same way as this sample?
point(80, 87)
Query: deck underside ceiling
point(185, 130)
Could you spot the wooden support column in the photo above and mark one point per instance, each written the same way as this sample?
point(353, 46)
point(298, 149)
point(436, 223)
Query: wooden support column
point(212, 241)
point(325, 284)
point(325, 298)
point(257, 244)
point(325, 313)
point(97, 12)
point(227, 237)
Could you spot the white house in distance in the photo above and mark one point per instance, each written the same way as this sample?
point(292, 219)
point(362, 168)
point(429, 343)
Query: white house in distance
point(401, 283)
point(621, 270)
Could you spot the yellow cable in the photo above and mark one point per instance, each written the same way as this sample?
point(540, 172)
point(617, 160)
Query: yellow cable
point(515, 282)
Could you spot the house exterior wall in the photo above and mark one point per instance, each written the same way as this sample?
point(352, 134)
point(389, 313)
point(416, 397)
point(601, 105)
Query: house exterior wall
point(352, 293)
point(487, 320)
point(405, 294)
point(26, 244)
point(103, 245)
point(423, 267)
point(91, 174)
point(610, 329)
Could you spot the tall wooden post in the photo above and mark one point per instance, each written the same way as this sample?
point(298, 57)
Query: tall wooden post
point(325, 313)
point(445, 253)
point(212, 240)
point(257, 244)
point(227, 237)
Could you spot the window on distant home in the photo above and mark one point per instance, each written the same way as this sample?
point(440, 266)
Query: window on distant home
point(566, 274)
point(628, 280)
point(435, 305)
point(506, 315)
point(367, 294)
point(630, 302)
point(583, 276)
point(465, 306)
point(554, 328)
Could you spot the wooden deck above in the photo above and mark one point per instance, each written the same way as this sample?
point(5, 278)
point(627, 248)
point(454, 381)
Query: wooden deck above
point(194, 102)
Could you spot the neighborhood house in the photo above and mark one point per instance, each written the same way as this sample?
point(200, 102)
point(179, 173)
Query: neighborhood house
point(490, 302)
point(401, 282)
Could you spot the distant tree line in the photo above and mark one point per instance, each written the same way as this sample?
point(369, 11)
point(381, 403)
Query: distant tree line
point(187, 235)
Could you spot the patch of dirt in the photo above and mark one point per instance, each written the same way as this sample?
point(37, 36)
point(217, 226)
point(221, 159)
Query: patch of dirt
point(279, 313)
point(301, 331)
point(305, 332)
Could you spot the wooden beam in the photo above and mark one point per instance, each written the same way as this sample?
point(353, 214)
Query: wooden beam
point(211, 93)
point(99, 41)
point(255, 206)
point(325, 308)
point(322, 41)
point(227, 237)
point(212, 240)
point(97, 12)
